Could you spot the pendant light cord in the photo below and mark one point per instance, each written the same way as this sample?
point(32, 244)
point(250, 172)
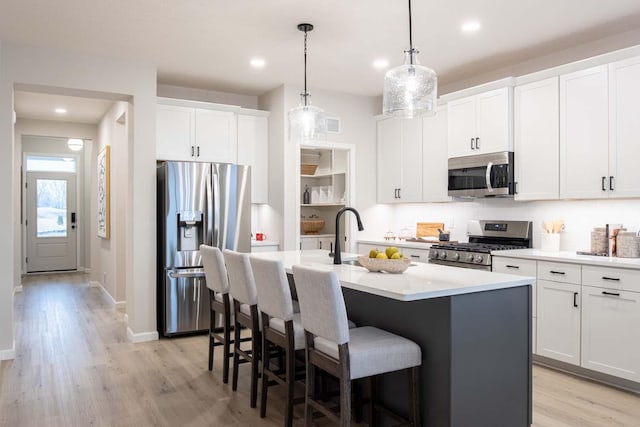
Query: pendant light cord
point(306, 94)
point(410, 37)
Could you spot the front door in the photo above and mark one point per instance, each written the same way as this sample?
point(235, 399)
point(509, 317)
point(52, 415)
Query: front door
point(51, 221)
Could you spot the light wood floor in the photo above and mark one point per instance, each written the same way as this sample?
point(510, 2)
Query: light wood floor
point(74, 367)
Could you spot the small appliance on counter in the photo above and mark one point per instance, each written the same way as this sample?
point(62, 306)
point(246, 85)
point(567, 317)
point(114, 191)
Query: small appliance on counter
point(484, 237)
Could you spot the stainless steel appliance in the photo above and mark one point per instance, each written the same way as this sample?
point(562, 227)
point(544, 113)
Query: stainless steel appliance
point(484, 237)
point(482, 175)
point(198, 203)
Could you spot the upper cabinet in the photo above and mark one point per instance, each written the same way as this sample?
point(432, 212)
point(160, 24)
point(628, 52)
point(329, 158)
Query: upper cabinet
point(253, 150)
point(434, 157)
point(481, 123)
point(584, 134)
point(399, 176)
point(537, 140)
point(624, 128)
point(197, 131)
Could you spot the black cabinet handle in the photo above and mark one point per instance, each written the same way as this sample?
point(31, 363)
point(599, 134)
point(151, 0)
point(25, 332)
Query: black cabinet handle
point(192, 153)
point(399, 193)
point(198, 151)
point(477, 143)
point(512, 266)
point(414, 256)
point(472, 144)
point(320, 244)
point(557, 272)
point(575, 299)
point(613, 279)
point(604, 178)
point(611, 183)
point(613, 294)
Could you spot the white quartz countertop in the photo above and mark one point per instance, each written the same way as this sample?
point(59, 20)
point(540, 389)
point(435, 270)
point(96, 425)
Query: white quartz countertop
point(264, 243)
point(570, 257)
point(420, 281)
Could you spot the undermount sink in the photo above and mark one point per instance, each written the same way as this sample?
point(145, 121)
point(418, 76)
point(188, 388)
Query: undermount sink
point(352, 262)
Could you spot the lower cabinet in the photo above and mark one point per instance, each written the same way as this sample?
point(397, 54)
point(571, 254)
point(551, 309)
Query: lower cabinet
point(611, 332)
point(316, 242)
point(559, 321)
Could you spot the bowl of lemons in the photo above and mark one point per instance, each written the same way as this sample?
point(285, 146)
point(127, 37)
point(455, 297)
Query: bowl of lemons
point(390, 260)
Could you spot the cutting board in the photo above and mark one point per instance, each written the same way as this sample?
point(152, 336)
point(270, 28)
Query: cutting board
point(428, 229)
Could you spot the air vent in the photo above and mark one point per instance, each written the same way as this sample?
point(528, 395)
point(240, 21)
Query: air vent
point(333, 125)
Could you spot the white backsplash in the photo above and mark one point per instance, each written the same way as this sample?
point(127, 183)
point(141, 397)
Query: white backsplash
point(580, 216)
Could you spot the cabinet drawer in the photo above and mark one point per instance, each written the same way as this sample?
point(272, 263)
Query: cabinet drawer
point(521, 267)
point(416, 255)
point(559, 272)
point(612, 278)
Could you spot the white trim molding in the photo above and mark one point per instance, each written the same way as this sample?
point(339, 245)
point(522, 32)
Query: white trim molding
point(116, 304)
point(9, 354)
point(141, 337)
point(17, 289)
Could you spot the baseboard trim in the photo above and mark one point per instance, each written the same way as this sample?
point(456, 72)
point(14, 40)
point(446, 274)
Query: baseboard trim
point(141, 337)
point(116, 304)
point(9, 354)
point(17, 289)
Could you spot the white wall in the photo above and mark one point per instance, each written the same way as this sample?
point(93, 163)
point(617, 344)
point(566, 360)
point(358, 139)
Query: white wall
point(580, 216)
point(180, 92)
point(110, 255)
point(67, 73)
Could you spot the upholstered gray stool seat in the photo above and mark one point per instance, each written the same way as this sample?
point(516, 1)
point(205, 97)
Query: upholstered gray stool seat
point(348, 354)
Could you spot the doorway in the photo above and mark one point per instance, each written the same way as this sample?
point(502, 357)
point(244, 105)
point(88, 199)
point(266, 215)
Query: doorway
point(51, 213)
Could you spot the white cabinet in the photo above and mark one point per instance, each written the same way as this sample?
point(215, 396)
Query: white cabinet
point(415, 255)
point(584, 134)
point(434, 157)
point(537, 140)
point(481, 123)
point(559, 321)
point(610, 332)
point(317, 242)
point(175, 129)
point(624, 128)
point(253, 150)
point(195, 134)
point(399, 171)
point(215, 136)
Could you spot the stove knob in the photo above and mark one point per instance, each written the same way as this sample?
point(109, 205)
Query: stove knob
point(434, 254)
point(443, 254)
point(479, 259)
point(456, 256)
point(469, 258)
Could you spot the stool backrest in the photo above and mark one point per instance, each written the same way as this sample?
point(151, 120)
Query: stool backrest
point(214, 269)
point(274, 294)
point(322, 306)
point(241, 283)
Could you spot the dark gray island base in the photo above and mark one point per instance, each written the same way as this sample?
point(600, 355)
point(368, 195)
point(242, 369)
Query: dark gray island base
point(476, 355)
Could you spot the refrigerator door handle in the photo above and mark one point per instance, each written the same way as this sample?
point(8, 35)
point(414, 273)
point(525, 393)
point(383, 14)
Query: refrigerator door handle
point(210, 214)
point(216, 206)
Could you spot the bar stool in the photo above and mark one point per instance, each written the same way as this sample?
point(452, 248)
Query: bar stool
point(281, 327)
point(348, 354)
point(218, 284)
point(245, 310)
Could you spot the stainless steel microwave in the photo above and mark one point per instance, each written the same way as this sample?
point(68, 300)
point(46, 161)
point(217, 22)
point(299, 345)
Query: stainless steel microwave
point(482, 175)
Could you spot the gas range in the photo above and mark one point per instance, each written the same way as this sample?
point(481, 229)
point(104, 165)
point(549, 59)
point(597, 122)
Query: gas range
point(484, 237)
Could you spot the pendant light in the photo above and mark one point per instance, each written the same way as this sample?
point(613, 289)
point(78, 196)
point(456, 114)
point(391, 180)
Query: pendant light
point(307, 121)
point(411, 89)
point(75, 144)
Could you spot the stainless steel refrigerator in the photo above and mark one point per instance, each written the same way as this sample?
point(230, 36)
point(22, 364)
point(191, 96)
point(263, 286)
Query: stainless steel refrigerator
point(198, 203)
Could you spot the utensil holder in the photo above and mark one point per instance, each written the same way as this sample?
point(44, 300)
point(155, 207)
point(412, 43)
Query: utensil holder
point(628, 245)
point(550, 242)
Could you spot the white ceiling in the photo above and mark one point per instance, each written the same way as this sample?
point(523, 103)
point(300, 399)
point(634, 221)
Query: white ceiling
point(208, 43)
point(41, 106)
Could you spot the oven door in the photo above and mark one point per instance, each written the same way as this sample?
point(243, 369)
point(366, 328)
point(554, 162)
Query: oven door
point(485, 175)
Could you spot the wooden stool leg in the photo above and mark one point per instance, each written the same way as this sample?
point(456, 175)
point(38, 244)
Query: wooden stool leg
point(345, 402)
point(291, 382)
point(212, 326)
point(265, 377)
point(255, 359)
point(236, 356)
point(226, 347)
point(372, 401)
point(309, 392)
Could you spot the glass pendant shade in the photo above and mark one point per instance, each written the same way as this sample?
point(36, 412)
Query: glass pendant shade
point(307, 122)
point(411, 89)
point(75, 144)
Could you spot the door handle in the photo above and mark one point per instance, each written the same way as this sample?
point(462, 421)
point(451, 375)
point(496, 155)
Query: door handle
point(472, 144)
point(399, 193)
point(512, 266)
point(477, 143)
point(575, 299)
point(487, 177)
point(613, 294)
point(192, 151)
point(557, 272)
point(198, 151)
point(611, 182)
point(73, 220)
point(604, 178)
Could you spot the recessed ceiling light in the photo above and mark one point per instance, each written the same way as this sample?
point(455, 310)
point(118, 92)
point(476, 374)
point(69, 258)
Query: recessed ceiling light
point(470, 27)
point(257, 62)
point(61, 110)
point(380, 63)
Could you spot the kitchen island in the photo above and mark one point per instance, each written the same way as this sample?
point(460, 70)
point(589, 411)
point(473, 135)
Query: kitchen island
point(474, 329)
